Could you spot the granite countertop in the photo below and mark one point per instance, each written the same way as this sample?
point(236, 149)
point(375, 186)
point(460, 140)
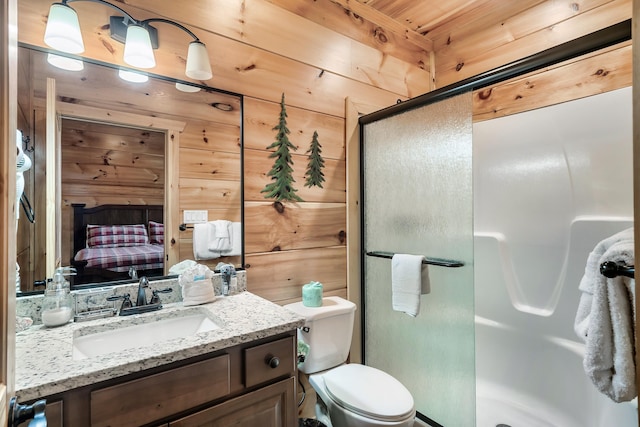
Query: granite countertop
point(44, 357)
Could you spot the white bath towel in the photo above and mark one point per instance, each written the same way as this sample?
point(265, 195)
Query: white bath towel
point(406, 283)
point(605, 320)
point(201, 237)
point(220, 238)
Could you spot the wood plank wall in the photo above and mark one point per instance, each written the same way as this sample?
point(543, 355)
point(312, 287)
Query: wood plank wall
point(318, 53)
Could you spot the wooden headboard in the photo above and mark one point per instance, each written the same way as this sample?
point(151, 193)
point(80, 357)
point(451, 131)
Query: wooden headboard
point(110, 215)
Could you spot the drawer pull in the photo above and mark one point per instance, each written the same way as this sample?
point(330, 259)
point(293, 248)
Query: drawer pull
point(273, 362)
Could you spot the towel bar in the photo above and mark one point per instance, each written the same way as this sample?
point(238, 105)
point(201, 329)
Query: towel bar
point(612, 269)
point(431, 261)
point(183, 227)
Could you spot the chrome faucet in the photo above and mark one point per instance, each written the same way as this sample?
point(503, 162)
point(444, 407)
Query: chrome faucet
point(142, 295)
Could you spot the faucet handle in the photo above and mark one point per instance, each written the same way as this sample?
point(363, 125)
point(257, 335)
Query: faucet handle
point(155, 298)
point(126, 300)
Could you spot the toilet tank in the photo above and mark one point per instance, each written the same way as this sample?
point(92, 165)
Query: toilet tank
point(327, 331)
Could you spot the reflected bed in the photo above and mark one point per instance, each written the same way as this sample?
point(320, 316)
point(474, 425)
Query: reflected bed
point(109, 240)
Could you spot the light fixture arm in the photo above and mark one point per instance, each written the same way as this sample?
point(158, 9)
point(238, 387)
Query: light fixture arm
point(143, 23)
point(112, 6)
point(166, 21)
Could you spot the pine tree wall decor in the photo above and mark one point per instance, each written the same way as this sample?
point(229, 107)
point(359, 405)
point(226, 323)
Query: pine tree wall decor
point(281, 187)
point(314, 175)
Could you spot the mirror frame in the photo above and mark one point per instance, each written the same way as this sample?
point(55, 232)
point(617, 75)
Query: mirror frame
point(171, 128)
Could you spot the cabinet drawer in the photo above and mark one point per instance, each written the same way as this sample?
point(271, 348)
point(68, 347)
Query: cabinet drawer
point(151, 398)
point(268, 361)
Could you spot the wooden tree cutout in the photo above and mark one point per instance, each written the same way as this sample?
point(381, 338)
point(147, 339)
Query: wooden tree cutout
point(314, 173)
point(281, 187)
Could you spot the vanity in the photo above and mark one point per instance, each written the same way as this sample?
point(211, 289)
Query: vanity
point(237, 366)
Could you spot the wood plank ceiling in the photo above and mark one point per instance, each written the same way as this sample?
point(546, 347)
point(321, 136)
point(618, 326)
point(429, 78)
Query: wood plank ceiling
point(456, 39)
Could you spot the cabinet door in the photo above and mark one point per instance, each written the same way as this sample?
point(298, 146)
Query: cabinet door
point(271, 406)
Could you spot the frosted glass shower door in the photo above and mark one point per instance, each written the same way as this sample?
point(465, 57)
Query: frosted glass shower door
point(418, 200)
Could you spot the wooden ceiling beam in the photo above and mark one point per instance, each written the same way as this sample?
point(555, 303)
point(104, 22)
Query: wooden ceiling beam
point(378, 18)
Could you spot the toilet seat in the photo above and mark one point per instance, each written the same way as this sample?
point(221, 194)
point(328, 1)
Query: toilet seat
point(369, 392)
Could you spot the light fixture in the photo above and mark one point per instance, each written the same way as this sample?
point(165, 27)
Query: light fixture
point(187, 88)
point(137, 48)
point(198, 66)
point(65, 63)
point(133, 76)
point(63, 29)
point(139, 38)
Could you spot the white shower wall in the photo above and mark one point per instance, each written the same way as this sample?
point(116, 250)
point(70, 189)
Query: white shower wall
point(549, 184)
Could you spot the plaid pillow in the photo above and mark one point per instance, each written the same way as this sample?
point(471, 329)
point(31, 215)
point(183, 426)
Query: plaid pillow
point(156, 232)
point(113, 236)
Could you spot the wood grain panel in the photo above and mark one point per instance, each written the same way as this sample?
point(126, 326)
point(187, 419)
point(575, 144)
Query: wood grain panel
point(253, 22)
point(113, 170)
point(257, 165)
point(273, 226)
point(484, 18)
point(336, 17)
point(101, 87)
point(86, 134)
point(166, 393)
point(279, 276)
point(100, 195)
point(452, 67)
point(577, 79)
point(358, 9)
point(260, 117)
point(203, 164)
point(211, 136)
point(239, 67)
point(201, 194)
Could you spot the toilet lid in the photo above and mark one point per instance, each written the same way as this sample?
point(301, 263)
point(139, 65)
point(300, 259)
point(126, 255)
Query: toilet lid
point(369, 392)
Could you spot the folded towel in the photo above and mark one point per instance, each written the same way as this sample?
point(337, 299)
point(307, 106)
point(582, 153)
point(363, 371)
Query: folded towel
point(201, 238)
point(605, 319)
point(220, 238)
point(406, 283)
point(235, 238)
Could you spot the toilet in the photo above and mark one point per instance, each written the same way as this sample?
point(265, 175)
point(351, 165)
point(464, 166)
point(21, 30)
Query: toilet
point(349, 395)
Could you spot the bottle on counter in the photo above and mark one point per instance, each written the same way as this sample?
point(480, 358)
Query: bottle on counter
point(57, 305)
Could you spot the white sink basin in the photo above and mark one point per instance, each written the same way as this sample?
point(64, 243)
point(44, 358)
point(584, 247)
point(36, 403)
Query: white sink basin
point(141, 332)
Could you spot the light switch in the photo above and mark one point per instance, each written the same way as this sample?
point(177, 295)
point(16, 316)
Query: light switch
point(195, 217)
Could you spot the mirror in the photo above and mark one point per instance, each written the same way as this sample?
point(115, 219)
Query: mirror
point(128, 156)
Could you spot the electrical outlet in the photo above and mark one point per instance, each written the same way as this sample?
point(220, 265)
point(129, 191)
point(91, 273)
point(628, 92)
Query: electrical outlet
point(195, 217)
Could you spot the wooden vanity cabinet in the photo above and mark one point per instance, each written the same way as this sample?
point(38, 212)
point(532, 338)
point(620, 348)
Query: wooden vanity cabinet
point(251, 384)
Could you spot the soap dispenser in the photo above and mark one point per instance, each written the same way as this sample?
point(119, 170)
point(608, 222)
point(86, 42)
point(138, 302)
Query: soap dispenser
point(57, 305)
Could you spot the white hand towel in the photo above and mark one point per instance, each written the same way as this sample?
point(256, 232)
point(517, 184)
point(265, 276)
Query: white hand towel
point(220, 239)
point(605, 320)
point(201, 237)
point(235, 237)
point(406, 283)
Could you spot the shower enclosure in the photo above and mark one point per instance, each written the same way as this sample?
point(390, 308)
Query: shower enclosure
point(418, 200)
point(516, 204)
